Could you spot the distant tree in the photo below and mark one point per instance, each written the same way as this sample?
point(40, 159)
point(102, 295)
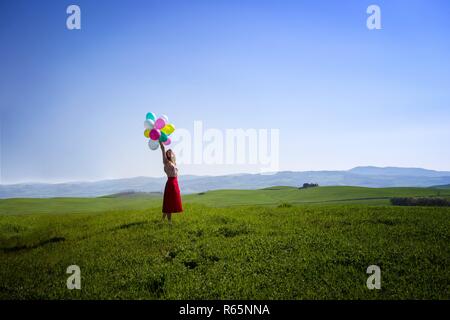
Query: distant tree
point(309, 185)
point(431, 202)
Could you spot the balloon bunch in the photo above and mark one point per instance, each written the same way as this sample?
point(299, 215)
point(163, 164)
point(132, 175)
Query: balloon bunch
point(157, 130)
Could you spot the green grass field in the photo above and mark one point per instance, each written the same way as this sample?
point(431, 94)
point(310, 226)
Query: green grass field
point(321, 195)
point(275, 243)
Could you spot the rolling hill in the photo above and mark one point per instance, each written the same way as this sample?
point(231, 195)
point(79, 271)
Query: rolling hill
point(445, 186)
point(222, 247)
point(318, 195)
point(272, 196)
point(359, 176)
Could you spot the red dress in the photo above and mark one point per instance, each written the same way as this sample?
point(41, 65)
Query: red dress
point(172, 198)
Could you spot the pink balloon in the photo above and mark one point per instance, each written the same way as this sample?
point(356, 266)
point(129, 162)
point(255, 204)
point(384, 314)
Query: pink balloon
point(160, 123)
point(167, 142)
point(155, 134)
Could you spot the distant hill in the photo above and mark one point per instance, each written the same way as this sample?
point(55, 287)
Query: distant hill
point(445, 186)
point(82, 189)
point(273, 196)
point(395, 171)
point(359, 176)
point(134, 194)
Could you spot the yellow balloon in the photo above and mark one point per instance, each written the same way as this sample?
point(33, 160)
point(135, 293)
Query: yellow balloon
point(168, 129)
point(147, 133)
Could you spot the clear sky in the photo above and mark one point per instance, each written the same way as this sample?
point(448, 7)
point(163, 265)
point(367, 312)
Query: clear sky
point(73, 101)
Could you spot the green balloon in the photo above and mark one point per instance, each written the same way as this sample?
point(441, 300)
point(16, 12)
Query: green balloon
point(151, 116)
point(163, 137)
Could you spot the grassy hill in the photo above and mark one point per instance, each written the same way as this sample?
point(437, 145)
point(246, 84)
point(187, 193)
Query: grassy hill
point(227, 244)
point(76, 205)
point(318, 195)
point(219, 198)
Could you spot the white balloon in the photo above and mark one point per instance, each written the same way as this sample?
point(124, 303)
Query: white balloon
point(153, 144)
point(166, 118)
point(149, 124)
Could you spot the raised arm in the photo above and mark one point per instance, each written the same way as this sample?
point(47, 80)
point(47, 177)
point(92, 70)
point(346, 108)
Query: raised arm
point(163, 149)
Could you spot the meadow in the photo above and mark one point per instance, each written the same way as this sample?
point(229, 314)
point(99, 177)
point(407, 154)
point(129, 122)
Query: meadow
point(274, 243)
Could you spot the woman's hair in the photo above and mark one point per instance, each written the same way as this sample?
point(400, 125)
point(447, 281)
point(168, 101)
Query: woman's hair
point(171, 156)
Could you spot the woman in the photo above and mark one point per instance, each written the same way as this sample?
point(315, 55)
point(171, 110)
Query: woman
point(172, 197)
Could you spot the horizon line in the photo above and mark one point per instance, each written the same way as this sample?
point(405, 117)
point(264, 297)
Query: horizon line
point(201, 176)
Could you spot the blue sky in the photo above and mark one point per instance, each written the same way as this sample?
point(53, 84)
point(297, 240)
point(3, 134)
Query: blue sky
point(73, 102)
